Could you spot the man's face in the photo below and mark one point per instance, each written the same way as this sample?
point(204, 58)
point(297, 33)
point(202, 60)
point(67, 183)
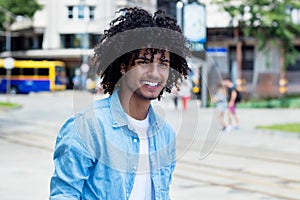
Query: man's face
point(145, 78)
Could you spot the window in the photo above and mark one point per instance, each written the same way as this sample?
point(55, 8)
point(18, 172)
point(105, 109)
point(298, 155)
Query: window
point(79, 40)
point(2, 72)
point(92, 12)
point(66, 40)
point(70, 12)
point(43, 72)
point(28, 71)
point(94, 39)
point(72, 40)
point(296, 66)
point(15, 71)
point(247, 57)
point(81, 12)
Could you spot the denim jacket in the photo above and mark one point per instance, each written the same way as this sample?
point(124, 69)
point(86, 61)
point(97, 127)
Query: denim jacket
point(97, 153)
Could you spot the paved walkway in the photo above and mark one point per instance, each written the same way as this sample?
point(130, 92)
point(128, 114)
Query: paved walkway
point(242, 164)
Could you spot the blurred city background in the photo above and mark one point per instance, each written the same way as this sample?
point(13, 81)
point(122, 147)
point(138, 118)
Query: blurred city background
point(256, 43)
point(46, 75)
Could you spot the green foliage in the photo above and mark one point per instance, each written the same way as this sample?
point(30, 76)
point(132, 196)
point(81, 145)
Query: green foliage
point(284, 102)
point(266, 20)
point(7, 105)
point(294, 127)
point(25, 8)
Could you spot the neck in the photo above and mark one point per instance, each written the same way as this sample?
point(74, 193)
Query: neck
point(135, 107)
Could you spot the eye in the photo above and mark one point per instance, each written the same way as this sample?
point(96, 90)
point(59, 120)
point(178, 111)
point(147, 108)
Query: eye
point(164, 65)
point(141, 61)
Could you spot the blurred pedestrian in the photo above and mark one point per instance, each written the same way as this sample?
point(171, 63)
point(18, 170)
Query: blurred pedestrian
point(232, 97)
point(175, 91)
point(185, 92)
point(220, 100)
point(120, 148)
point(76, 82)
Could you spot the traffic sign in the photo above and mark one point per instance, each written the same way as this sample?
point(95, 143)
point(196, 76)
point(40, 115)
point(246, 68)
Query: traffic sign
point(85, 68)
point(9, 63)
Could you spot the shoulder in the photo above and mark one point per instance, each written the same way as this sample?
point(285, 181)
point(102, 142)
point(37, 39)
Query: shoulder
point(102, 103)
point(89, 119)
point(83, 128)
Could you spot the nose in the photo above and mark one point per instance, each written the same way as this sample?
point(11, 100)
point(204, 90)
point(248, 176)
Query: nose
point(154, 71)
point(153, 68)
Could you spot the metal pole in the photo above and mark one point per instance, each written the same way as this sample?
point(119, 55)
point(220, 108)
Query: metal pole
point(8, 76)
point(8, 71)
point(6, 24)
point(8, 41)
point(204, 85)
point(179, 8)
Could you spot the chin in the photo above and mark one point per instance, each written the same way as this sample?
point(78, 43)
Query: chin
point(150, 97)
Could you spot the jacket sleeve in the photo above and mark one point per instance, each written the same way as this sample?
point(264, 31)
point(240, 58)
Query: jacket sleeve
point(72, 162)
point(173, 164)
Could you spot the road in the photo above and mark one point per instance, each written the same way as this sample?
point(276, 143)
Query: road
point(242, 164)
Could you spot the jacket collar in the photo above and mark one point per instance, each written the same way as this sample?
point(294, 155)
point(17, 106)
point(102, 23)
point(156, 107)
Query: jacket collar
point(119, 116)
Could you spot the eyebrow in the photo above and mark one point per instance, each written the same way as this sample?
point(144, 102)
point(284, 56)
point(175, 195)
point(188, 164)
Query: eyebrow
point(145, 58)
point(142, 58)
point(165, 60)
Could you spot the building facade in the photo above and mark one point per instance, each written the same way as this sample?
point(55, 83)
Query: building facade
point(256, 72)
point(65, 30)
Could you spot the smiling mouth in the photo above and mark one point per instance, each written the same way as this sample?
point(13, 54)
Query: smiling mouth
point(150, 83)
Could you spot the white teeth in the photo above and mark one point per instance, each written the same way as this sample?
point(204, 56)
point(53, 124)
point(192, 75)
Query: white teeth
point(150, 83)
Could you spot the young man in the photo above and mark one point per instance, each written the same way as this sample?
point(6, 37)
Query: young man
point(232, 102)
point(119, 148)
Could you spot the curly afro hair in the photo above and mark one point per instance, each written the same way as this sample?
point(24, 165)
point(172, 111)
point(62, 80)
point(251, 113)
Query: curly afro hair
point(135, 29)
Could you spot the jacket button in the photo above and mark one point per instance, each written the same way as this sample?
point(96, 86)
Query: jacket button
point(134, 140)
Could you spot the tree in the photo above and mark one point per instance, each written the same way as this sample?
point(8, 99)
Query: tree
point(267, 20)
point(25, 8)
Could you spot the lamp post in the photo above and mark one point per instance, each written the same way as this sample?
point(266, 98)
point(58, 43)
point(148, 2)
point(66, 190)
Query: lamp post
point(191, 17)
point(8, 61)
point(6, 24)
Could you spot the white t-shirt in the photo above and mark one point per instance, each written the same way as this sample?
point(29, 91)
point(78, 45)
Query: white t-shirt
point(142, 187)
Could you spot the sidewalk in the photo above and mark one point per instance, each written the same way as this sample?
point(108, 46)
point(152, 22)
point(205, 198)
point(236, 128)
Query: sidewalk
point(244, 164)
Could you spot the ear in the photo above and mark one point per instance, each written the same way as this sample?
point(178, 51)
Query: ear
point(122, 69)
